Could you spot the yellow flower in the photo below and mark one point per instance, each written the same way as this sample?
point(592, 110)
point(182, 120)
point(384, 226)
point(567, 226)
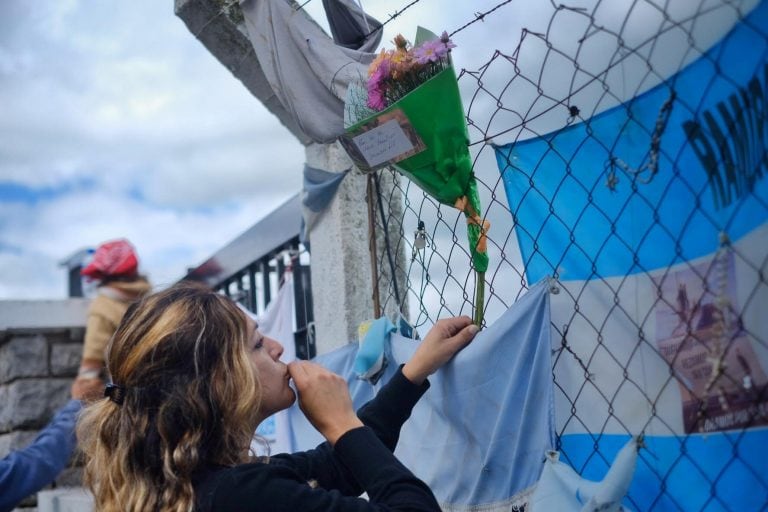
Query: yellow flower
point(399, 56)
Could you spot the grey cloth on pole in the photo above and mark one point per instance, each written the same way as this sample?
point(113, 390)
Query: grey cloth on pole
point(352, 28)
point(308, 72)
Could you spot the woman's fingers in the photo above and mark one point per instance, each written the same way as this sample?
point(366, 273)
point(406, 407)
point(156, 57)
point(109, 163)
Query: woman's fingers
point(441, 343)
point(302, 372)
point(464, 336)
point(324, 399)
point(455, 324)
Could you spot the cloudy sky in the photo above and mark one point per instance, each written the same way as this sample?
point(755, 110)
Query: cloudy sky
point(117, 122)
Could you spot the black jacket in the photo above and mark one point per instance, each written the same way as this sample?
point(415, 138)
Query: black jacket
point(330, 478)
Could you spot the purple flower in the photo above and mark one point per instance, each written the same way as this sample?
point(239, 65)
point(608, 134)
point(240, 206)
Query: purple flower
point(377, 85)
point(376, 99)
point(430, 51)
point(446, 40)
point(376, 80)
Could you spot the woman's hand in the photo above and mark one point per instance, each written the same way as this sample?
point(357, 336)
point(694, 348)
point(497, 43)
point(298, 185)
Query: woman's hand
point(87, 389)
point(324, 399)
point(441, 343)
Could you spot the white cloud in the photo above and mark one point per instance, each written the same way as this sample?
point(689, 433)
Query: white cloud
point(131, 128)
point(168, 240)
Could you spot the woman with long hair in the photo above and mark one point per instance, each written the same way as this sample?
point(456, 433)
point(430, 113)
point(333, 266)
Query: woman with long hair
point(192, 377)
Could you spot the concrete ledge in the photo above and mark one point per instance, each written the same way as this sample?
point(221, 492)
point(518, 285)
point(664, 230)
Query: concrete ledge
point(39, 315)
point(74, 499)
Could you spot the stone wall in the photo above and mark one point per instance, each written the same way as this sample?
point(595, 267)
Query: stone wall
point(40, 348)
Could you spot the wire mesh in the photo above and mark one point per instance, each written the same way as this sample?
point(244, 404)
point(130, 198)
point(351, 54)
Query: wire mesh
point(577, 63)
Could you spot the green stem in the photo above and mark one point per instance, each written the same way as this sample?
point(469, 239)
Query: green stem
point(479, 298)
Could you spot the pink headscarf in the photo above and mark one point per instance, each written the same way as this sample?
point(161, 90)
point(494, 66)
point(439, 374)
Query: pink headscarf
point(116, 258)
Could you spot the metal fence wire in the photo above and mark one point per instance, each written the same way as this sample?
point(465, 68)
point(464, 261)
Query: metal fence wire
point(696, 314)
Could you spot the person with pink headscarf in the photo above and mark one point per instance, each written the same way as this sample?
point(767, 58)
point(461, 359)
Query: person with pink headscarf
point(115, 267)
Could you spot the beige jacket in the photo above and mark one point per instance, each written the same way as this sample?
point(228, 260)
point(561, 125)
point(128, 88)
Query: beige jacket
point(105, 313)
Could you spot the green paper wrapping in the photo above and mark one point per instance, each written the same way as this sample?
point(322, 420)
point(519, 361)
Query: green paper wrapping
point(434, 109)
point(444, 169)
point(479, 259)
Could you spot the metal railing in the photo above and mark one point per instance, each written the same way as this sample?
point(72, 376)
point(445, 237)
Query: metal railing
point(250, 269)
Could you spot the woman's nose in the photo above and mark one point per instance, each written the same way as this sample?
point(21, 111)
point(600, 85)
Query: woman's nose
point(274, 348)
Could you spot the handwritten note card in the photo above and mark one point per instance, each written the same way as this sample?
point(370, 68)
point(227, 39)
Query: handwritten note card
point(382, 140)
point(384, 143)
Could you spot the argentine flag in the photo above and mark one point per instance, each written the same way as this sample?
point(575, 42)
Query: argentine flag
point(651, 218)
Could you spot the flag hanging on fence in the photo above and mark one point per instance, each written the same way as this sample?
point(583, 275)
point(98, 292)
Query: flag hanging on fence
point(276, 322)
point(479, 435)
point(654, 217)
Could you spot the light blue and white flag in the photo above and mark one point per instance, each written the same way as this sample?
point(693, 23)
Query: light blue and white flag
point(653, 216)
point(479, 435)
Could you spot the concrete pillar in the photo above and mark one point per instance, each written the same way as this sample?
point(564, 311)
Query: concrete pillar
point(342, 282)
point(342, 279)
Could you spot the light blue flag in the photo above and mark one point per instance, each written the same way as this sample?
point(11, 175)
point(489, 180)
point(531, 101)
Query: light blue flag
point(319, 189)
point(654, 217)
point(582, 211)
point(479, 434)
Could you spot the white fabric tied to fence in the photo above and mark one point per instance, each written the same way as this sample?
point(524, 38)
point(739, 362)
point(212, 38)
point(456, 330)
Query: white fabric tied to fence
point(276, 322)
point(479, 435)
point(308, 72)
point(561, 488)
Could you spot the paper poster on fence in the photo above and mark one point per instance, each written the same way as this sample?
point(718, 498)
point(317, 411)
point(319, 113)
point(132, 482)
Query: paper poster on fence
point(699, 329)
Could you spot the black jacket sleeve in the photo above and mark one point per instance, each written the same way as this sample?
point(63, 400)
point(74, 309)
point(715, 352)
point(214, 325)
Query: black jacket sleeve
point(278, 488)
point(392, 407)
point(385, 414)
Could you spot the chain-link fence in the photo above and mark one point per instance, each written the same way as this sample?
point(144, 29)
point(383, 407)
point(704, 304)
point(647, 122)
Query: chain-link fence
point(620, 152)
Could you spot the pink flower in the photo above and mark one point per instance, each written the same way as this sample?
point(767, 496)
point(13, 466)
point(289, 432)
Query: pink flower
point(380, 74)
point(393, 73)
point(377, 85)
point(430, 51)
point(376, 99)
point(446, 40)
point(376, 80)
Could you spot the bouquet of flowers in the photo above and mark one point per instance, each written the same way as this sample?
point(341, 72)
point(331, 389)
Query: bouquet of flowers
point(409, 115)
point(395, 73)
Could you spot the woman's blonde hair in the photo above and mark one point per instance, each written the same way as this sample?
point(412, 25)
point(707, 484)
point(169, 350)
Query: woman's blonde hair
point(190, 400)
